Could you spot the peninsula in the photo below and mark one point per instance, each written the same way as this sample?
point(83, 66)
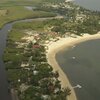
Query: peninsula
point(31, 68)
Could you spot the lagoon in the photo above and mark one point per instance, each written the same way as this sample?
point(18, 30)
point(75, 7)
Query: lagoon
point(89, 4)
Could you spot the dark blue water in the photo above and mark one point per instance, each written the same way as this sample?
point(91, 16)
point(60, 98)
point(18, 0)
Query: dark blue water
point(89, 4)
point(4, 94)
point(83, 69)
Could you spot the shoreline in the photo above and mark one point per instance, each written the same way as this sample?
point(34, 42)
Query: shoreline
point(61, 44)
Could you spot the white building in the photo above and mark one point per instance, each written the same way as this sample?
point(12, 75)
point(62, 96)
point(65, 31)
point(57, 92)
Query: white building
point(68, 0)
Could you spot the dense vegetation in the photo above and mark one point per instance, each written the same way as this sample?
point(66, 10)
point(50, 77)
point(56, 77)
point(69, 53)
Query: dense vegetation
point(76, 19)
point(27, 68)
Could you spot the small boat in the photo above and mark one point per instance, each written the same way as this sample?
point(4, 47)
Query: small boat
point(73, 46)
point(73, 57)
point(78, 86)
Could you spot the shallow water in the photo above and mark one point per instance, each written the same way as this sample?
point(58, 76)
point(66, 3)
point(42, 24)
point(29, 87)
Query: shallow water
point(89, 4)
point(82, 66)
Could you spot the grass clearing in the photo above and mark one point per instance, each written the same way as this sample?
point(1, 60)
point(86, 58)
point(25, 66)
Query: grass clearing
point(15, 10)
point(20, 12)
point(3, 12)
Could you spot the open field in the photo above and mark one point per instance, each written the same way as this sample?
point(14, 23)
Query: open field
point(19, 12)
point(3, 12)
point(26, 2)
point(15, 10)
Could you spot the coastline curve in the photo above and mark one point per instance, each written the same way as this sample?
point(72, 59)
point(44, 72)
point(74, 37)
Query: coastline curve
point(65, 43)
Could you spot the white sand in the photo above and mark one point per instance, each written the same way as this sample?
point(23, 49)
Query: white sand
point(54, 47)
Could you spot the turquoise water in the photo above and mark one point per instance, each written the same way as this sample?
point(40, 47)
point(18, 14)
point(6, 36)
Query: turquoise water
point(89, 4)
point(83, 69)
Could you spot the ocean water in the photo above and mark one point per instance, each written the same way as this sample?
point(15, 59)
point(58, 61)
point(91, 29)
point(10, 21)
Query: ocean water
point(82, 66)
point(89, 4)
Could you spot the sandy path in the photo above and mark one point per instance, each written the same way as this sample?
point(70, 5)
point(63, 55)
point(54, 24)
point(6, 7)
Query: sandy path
point(54, 47)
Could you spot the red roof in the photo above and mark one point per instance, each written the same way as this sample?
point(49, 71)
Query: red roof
point(36, 46)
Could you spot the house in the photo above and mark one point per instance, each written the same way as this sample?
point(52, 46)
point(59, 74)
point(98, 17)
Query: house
point(36, 46)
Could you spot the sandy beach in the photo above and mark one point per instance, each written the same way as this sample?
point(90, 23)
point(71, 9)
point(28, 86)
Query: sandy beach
point(61, 44)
